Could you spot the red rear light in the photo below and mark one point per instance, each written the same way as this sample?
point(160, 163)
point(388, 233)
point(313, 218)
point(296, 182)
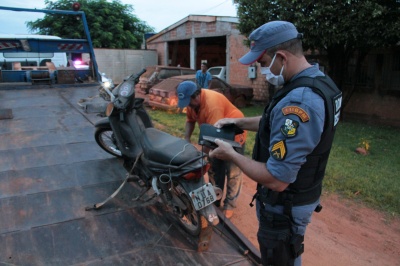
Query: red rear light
point(197, 173)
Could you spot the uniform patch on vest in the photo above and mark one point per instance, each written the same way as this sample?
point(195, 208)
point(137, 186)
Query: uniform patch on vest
point(295, 110)
point(278, 150)
point(289, 129)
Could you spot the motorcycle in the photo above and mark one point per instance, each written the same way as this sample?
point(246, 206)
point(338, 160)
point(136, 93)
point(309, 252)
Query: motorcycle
point(170, 167)
point(104, 135)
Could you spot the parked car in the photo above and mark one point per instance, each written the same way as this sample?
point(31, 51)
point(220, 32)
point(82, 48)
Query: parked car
point(156, 74)
point(218, 71)
point(163, 95)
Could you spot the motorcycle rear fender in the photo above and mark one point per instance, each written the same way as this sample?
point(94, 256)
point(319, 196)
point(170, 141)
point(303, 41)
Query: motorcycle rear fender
point(192, 185)
point(103, 123)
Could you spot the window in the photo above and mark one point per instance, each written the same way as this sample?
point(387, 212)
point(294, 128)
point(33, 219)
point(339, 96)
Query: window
point(28, 55)
point(167, 73)
point(188, 72)
point(215, 71)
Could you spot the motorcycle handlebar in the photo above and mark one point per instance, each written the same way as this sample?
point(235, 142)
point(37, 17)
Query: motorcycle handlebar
point(125, 100)
point(137, 76)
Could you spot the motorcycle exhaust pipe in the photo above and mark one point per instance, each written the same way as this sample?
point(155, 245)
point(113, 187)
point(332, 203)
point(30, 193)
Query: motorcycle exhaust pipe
point(165, 182)
point(166, 187)
point(165, 179)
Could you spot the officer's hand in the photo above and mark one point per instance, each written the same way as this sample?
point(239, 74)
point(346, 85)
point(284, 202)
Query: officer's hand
point(224, 121)
point(223, 152)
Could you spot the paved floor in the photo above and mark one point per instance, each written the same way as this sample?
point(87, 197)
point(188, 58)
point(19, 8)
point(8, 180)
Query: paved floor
point(51, 169)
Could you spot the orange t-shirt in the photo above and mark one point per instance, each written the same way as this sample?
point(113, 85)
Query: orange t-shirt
point(213, 107)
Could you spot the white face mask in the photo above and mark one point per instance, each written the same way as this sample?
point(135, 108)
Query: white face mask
point(271, 77)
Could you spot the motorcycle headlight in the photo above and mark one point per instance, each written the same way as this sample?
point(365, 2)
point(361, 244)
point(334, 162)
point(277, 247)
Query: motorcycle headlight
point(107, 84)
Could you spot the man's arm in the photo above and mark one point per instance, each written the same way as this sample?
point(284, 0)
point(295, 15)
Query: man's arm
point(189, 127)
point(255, 170)
point(245, 123)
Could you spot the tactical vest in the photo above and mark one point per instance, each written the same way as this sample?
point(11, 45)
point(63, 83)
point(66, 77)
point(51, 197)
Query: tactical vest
point(308, 185)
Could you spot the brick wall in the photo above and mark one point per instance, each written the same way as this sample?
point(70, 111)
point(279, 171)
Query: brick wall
point(238, 73)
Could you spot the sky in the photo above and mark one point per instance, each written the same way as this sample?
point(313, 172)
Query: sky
point(158, 14)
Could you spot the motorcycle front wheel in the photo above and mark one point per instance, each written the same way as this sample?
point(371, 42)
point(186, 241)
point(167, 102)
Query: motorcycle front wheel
point(106, 140)
point(189, 219)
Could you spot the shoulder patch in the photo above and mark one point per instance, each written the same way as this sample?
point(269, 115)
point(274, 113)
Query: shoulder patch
point(278, 151)
point(295, 110)
point(289, 129)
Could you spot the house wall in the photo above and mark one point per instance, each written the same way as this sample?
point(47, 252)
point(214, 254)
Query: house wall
point(239, 72)
point(373, 108)
point(120, 63)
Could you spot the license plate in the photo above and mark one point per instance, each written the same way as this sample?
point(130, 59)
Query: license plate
point(203, 196)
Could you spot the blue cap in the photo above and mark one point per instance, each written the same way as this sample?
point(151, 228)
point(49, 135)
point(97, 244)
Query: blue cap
point(184, 91)
point(267, 36)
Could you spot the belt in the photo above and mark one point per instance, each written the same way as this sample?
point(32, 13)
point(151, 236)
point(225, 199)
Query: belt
point(271, 197)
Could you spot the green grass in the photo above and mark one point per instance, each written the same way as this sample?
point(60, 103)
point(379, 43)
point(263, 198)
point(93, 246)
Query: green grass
point(372, 179)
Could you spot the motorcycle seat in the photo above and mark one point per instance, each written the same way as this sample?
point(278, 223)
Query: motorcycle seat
point(164, 148)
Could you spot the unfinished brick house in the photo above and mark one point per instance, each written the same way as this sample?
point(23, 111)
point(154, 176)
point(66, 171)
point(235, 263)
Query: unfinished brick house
point(213, 39)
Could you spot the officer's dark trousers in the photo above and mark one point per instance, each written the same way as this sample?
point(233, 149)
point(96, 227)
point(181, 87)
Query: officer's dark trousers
point(301, 217)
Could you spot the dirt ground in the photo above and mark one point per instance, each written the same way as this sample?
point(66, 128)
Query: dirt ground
point(343, 233)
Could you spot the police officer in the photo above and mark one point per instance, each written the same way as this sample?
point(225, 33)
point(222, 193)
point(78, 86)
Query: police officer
point(293, 141)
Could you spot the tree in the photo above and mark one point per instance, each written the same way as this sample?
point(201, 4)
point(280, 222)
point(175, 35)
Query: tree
point(342, 29)
point(111, 25)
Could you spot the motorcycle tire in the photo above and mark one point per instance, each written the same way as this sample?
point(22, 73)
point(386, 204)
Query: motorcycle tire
point(106, 140)
point(189, 219)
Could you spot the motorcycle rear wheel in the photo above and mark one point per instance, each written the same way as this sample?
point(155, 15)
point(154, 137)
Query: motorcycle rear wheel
point(106, 140)
point(188, 219)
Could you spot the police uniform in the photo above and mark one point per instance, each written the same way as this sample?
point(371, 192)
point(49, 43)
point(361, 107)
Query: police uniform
point(294, 139)
point(289, 133)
